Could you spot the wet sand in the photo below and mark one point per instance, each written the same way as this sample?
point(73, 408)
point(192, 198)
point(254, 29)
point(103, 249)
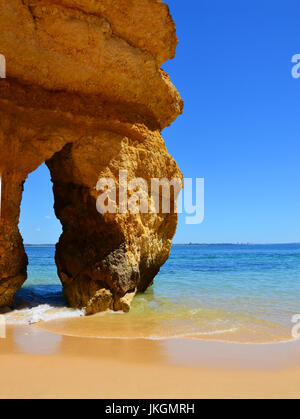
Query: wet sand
point(39, 364)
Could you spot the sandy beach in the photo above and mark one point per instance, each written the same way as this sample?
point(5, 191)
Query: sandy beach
point(38, 364)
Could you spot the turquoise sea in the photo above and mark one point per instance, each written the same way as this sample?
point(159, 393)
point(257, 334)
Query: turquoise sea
point(243, 293)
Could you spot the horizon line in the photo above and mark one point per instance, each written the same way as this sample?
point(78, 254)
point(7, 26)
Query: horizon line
point(192, 244)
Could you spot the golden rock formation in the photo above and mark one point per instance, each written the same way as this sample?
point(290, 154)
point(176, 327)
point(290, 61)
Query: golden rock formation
point(85, 93)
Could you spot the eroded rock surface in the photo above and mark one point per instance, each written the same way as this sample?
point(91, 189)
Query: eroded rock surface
point(85, 93)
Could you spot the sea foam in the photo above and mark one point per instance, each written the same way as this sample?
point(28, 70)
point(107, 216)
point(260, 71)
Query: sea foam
point(41, 313)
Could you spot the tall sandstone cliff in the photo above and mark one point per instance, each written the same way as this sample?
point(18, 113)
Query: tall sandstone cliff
point(86, 94)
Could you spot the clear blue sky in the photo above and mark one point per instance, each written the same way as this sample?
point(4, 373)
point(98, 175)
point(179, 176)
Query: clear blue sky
point(240, 128)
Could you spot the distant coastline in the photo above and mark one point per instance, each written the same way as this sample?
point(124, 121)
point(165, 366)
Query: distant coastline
point(192, 244)
point(39, 245)
point(234, 244)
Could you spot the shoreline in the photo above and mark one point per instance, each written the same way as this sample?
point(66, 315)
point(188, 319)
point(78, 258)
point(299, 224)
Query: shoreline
point(200, 337)
point(39, 364)
point(117, 325)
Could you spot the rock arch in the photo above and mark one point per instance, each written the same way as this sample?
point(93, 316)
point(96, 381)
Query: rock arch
point(85, 125)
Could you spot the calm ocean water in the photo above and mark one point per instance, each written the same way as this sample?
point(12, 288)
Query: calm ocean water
point(245, 293)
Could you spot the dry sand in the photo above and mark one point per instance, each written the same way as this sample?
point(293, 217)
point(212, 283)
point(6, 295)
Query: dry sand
point(39, 364)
